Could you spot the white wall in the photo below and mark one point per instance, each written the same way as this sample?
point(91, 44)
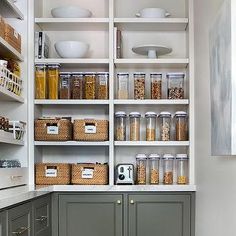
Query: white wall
point(216, 176)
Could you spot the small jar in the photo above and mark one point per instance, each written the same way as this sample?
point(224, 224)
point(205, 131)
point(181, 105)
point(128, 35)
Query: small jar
point(141, 162)
point(90, 85)
point(123, 85)
point(154, 160)
point(151, 126)
point(156, 85)
point(102, 85)
point(175, 85)
point(164, 126)
point(77, 85)
point(53, 81)
point(181, 126)
point(139, 86)
point(40, 81)
point(120, 118)
point(182, 168)
point(168, 168)
point(65, 85)
point(135, 126)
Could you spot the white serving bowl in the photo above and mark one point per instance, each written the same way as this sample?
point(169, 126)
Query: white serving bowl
point(70, 12)
point(153, 13)
point(71, 49)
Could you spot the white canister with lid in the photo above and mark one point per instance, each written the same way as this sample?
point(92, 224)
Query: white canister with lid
point(135, 126)
point(182, 168)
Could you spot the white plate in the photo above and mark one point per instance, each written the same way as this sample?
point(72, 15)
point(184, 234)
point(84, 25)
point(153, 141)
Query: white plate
point(152, 51)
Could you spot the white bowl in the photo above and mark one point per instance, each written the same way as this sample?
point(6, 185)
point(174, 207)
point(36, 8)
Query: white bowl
point(153, 13)
point(70, 12)
point(71, 49)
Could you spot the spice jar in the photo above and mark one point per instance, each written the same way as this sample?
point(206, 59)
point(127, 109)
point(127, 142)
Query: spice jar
point(40, 81)
point(120, 118)
point(141, 162)
point(182, 168)
point(151, 126)
point(154, 160)
point(123, 85)
point(175, 85)
point(156, 85)
point(53, 80)
point(135, 126)
point(164, 126)
point(168, 166)
point(65, 85)
point(181, 126)
point(139, 86)
point(102, 85)
point(90, 85)
point(77, 85)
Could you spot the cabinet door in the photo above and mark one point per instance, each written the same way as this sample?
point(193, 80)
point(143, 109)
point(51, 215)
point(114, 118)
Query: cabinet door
point(164, 215)
point(3, 224)
point(19, 220)
point(42, 216)
point(90, 215)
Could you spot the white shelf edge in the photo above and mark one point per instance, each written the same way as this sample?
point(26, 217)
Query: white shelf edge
point(12, 9)
point(73, 61)
point(152, 102)
point(154, 143)
point(9, 96)
point(150, 20)
point(7, 138)
point(152, 61)
point(70, 143)
point(71, 102)
point(71, 20)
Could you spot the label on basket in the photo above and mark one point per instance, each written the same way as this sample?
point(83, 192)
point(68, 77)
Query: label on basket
point(87, 173)
point(90, 129)
point(52, 130)
point(51, 172)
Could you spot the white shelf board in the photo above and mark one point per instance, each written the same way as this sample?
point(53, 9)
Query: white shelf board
point(152, 63)
point(149, 24)
point(6, 137)
point(152, 102)
point(73, 24)
point(8, 51)
point(70, 143)
point(70, 102)
point(154, 143)
point(9, 10)
point(6, 95)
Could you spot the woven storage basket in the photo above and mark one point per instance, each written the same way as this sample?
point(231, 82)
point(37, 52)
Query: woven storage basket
point(91, 130)
point(89, 174)
point(12, 37)
point(61, 130)
point(2, 27)
point(52, 174)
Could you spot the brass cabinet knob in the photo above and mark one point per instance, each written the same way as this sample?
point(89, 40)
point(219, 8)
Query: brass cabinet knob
point(131, 201)
point(119, 202)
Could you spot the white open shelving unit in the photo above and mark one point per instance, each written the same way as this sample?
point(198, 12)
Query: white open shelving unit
point(98, 31)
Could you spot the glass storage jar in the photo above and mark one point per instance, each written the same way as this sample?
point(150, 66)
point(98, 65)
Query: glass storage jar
point(151, 126)
point(102, 85)
point(77, 85)
point(120, 118)
point(53, 81)
point(164, 126)
point(154, 160)
point(90, 85)
point(182, 168)
point(141, 163)
point(139, 86)
point(40, 81)
point(181, 126)
point(175, 85)
point(135, 126)
point(156, 85)
point(65, 85)
point(168, 169)
point(123, 85)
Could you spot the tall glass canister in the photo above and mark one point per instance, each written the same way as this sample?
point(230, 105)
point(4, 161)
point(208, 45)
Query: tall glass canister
point(123, 85)
point(154, 160)
point(175, 85)
point(139, 86)
point(156, 85)
point(151, 126)
point(53, 81)
point(141, 163)
point(181, 126)
point(164, 126)
point(182, 168)
point(120, 132)
point(134, 126)
point(168, 169)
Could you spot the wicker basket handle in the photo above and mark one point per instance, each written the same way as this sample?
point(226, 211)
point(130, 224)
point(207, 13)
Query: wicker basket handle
point(52, 124)
point(90, 122)
point(51, 167)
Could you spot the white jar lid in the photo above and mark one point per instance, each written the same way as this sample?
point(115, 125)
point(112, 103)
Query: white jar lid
point(156, 73)
point(139, 73)
point(141, 156)
point(165, 113)
point(168, 157)
point(181, 156)
point(181, 113)
point(151, 114)
point(177, 75)
point(120, 114)
point(90, 73)
point(154, 156)
point(123, 73)
point(135, 114)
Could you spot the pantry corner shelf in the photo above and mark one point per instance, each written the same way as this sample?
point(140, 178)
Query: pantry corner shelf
point(70, 102)
point(6, 95)
point(7, 138)
point(70, 143)
point(9, 10)
point(152, 102)
point(154, 143)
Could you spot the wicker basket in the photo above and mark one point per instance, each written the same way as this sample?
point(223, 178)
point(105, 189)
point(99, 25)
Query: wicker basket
point(89, 174)
point(2, 27)
point(91, 130)
point(53, 130)
point(52, 174)
point(12, 37)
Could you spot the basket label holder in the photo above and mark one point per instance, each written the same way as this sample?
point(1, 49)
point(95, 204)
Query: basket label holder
point(51, 171)
point(87, 173)
point(90, 128)
point(52, 129)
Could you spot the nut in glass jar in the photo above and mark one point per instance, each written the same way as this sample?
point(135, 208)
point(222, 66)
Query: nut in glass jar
point(139, 86)
point(141, 162)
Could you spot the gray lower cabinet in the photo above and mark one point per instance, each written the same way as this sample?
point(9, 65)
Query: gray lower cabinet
point(3, 223)
point(90, 215)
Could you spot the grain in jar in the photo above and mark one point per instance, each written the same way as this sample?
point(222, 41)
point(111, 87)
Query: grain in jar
point(168, 169)
point(181, 126)
point(102, 85)
point(164, 126)
point(134, 126)
point(123, 85)
point(139, 86)
point(141, 164)
point(77, 85)
point(120, 132)
point(154, 160)
point(40, 81)
point(182, 168)
point(53, 80)
point(175, 85)
point(65, 85)
point(151, 126)
point(156, 85)
point(90, 85)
